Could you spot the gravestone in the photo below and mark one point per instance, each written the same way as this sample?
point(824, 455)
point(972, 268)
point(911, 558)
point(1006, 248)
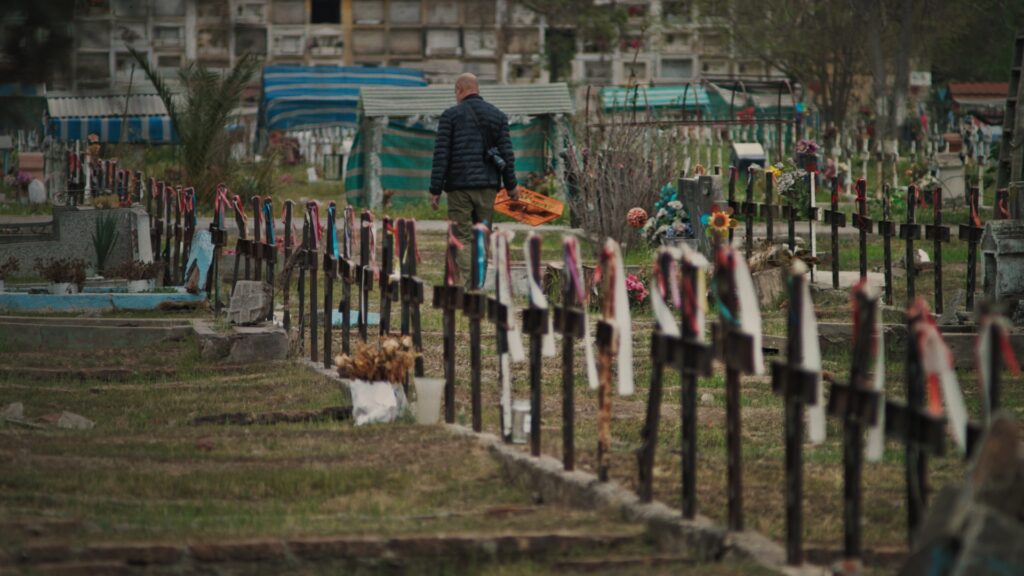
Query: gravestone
point(1002, 251)
point(698, 194)
point(250, 302)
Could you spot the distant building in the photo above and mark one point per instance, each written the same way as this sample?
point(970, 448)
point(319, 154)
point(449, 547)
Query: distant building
point(501, 41)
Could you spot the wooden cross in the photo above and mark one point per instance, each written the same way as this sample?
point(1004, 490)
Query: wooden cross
point(909, 232)
point(474, 306)
point(607, 339)
point(769, 211)
point(288, 205)
point(856, 404)
point(837, 220)
point(798, 387)
point(312, 215)
point(862, 222)
point(330, 277)
point(176, 264)
point(189, 215)
point(364, 274)
point(736, 350)
point(792, 213)
point(242, 243)
point(938, 234)
point(887, 229)
point(411, 291)
point(535, 323)
point(156, 218)
point(695, 361)
point(347, 272)
point(733, 175)
point(971, 232)
point(218, 236)
point(269, 249)
point(303, 258)
point(749, 213)
point(255, 248)
point(920, 431)
point(570, 322)
point(665, 347)
point(448, 298)
point(387, 265)
point(499, 315)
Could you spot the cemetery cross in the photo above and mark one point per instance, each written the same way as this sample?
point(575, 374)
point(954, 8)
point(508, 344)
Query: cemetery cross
point(837, 220)
point(448, 298)
point(938, 234)
point(570, 322)
point(535, 323)
point(863, 223)
point(909, 232)
point(887, 229)
point(288, 205)
point(474, 306)
point(971, 232)
point(330, 277)
point(312, 252)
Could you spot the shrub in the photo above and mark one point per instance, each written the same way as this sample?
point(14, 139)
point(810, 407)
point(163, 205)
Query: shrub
point(137, 270)
point(9, 266)
point(62, 270)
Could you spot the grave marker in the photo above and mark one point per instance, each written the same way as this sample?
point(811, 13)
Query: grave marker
point(837, 220)
point(733, 204)
point(769, 210)
point(255, 248)
point(1001, 210)
point(862, 222)
point(740, 349)
point(614, 339)
point(242, 243)
point(312, 252)
point(971, 232)
point(176, 264)
point(857, 405)
point(218, 235)
point(695, 361)
point(909, 232)
point(412, 291)
point(387, 269)
point(330, 277)
point(364, 272)
point(474, 306)
point(448, 298)
point(749, 212)
point(303, 265)
point(347, 271)
point(887, 229)
point(269, 248)
point(502, 313)
point(571, 323)
point(537, 323)
point(288, 205)
point(798, 381)
point(938, 234)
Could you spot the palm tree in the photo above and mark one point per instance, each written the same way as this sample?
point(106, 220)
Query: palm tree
point(200, 117)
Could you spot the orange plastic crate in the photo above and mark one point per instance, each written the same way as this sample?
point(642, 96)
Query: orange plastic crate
point(531, 208)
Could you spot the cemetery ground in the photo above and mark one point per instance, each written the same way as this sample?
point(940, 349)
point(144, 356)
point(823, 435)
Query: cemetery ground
point(145, 474)
point(146, 481)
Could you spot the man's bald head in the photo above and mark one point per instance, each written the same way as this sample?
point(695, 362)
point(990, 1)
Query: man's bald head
point(466, 85)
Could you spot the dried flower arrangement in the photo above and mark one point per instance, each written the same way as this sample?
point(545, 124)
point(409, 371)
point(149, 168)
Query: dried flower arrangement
point(390, 362)
point(137, 270)
point(63, 270)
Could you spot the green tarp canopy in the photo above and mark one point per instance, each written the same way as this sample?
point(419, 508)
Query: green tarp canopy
point(393, 151)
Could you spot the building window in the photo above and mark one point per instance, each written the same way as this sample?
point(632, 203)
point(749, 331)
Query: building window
point(677, 68)
point(597, 71)
point(288, 12)
point(368, 12)
point(94, 35)
point(94, 67)
point(131, 8)
point(325, 12)
point(168, 62)
point(636, 70)
point(252, 40)
point(167, 35)
point(675, 11)
point(404, 12)
point(168, 8)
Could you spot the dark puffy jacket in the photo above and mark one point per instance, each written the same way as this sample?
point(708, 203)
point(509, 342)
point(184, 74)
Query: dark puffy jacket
point(459, 151)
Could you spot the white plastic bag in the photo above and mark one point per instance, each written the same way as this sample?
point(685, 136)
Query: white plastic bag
point(376, 402)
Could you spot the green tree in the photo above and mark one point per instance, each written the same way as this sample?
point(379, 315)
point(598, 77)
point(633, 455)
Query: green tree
point(200, 116)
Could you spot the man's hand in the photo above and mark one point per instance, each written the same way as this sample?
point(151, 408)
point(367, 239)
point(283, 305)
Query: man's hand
point(514, 193)
point(435, 201)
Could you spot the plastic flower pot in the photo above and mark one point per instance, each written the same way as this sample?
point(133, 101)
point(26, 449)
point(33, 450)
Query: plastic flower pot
point(429, 392)
point(136, 286)
point(63, 288)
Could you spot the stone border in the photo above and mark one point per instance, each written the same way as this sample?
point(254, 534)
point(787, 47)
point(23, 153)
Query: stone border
point(701, 537)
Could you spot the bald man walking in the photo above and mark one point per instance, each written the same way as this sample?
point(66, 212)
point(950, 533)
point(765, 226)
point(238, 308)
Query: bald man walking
point(472, 159)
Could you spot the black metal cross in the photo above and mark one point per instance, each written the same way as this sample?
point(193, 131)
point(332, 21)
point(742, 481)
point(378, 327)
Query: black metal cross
point(971, 232)
point(887, 229)
point(255, 247)
point(856, 404)
point(364, 274)
point(938, 234)
point(387, 262)
point(798, 387)
point(176, 266)
point(269, 249)
point(792, 212)
point(769, 211)
point(910, 231)
point(499, 315)
point(837, 220)
point(218, 236)
point(241, 244)
point(347, 272)
point(733, 204)
point(303, 266)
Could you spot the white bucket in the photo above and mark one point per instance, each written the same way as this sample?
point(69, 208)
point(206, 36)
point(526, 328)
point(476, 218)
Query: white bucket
point(136, 286)
point(429, 392)
point(63, 288)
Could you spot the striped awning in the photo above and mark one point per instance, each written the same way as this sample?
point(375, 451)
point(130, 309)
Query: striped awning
point(152, 129)
point(656, 97)
point(301, 97)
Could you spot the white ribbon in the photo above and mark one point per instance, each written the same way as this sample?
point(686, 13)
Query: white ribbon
point(539, 300)
point(662, 313)
point(697, 260)
point(750, 311)
point(876, 434)
point(810, 350)
point(588, 342)
point(500, 241)
point(936, 359)
point(624, 324)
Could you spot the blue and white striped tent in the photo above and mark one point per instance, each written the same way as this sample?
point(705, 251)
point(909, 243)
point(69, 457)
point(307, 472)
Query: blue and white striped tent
point(71, 118)
point(301, 97)
point(656, 98)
